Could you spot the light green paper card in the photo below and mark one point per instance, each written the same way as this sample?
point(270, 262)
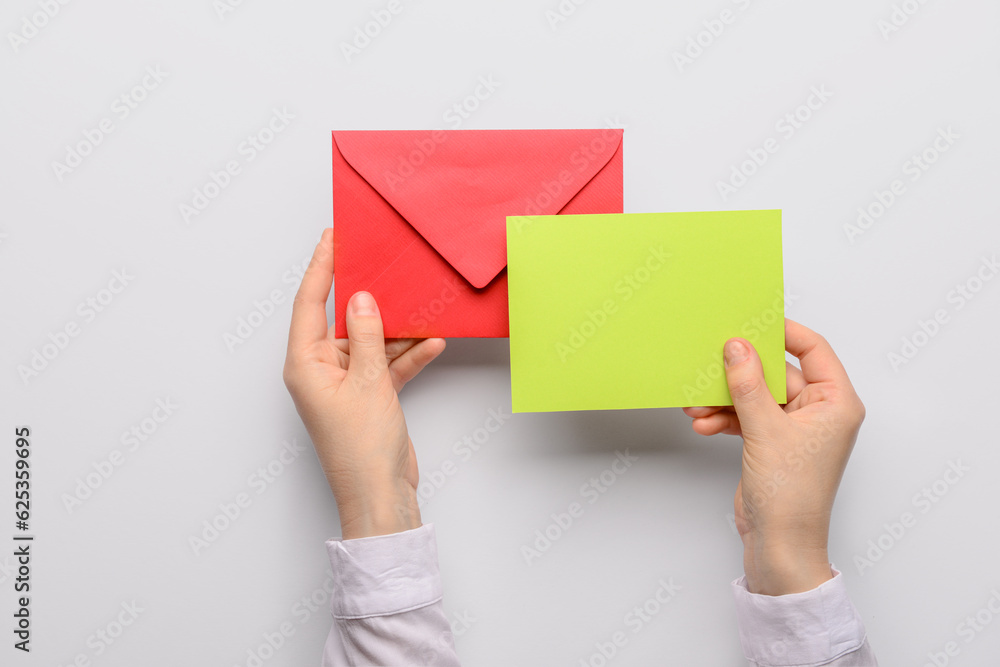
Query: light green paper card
point(632, 310)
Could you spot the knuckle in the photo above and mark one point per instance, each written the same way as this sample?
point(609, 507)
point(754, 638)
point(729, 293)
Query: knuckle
point(365, 336)
point(852, 409)
point(858, 411)
point(289, 376)
point(300, 303)
point(746, 388)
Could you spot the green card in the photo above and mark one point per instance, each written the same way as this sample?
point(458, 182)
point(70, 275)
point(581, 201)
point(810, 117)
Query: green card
point(632, 310)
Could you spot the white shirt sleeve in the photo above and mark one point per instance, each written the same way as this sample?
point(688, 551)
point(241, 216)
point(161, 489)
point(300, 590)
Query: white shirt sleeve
point(817, 627)
point(387, 610)
point(386, 602)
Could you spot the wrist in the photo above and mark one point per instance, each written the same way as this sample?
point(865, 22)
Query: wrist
point(784, 570)
point(379, 512)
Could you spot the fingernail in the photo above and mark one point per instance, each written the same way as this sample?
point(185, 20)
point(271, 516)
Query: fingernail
point(735, 352)
point(363, 305)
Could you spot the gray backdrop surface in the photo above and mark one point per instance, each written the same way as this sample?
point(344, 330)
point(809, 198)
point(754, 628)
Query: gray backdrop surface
point(146, 300)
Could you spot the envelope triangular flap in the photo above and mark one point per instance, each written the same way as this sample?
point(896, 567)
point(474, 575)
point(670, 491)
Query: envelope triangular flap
point(457, 187)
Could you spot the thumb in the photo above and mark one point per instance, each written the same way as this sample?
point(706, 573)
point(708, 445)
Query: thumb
point(755, 406)
point(365, 337)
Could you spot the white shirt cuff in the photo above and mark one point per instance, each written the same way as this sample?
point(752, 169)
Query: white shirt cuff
point(801, 629)
point(385, 574)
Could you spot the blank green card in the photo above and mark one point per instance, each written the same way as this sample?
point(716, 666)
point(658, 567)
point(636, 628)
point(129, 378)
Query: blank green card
point(632, 310)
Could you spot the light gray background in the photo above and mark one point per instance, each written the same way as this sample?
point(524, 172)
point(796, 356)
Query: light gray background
point(667, 517)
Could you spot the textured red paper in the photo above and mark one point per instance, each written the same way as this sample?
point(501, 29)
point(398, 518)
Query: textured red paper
point(420, 217)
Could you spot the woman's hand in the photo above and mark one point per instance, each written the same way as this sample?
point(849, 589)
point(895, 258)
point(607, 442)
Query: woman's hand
point(346, 392)
point(793, 458)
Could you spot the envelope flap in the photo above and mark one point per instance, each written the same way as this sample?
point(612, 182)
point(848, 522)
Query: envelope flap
point(457, 187)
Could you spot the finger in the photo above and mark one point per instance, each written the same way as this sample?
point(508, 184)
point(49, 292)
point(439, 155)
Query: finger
point(309, 306)
point(720, 422)
point(397, 347)
point(818, 360)
point(794, 381)
point(393, 346)
point(407, 365)
point(364, 332)
point(701, 412)
point(757, 410)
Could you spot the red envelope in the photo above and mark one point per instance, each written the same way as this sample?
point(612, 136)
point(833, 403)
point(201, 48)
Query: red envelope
point(420, 217)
